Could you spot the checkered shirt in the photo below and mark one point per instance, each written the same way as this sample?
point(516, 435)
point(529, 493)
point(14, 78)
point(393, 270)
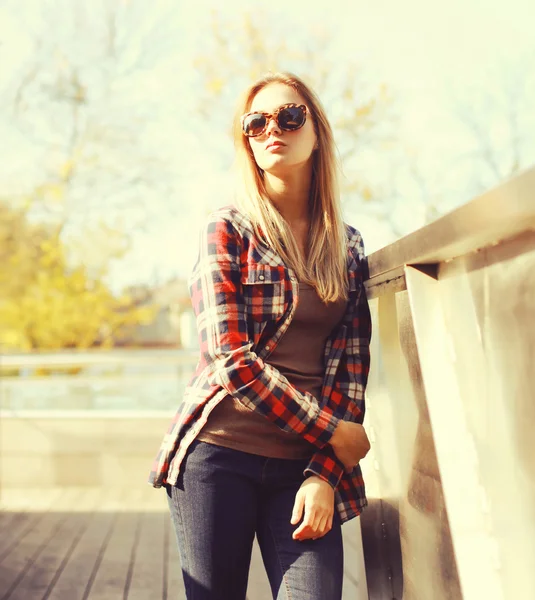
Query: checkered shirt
point(244, 298)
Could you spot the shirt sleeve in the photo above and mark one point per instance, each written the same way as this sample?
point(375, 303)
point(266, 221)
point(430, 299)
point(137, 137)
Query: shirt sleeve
point(347, 399)
point(226, 350)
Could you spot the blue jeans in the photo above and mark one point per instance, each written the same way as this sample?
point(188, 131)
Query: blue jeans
point(221, 499)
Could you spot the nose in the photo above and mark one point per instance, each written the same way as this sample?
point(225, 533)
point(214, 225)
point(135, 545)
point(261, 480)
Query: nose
point(273, 127)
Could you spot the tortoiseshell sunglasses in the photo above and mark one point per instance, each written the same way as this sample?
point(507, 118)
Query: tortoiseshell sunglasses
point(289, 117)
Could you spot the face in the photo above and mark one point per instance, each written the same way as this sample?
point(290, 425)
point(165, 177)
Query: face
point(277, 151)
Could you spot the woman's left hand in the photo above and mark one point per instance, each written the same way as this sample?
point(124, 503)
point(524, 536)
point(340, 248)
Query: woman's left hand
point(316, 499)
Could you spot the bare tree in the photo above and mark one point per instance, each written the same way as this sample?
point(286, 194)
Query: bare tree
point(74, 98)
point(499, 120)
point(238, 50)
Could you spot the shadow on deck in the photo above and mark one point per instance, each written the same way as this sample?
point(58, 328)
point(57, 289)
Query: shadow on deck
point(99, 544)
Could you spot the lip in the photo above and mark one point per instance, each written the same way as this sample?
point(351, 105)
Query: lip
point(275, 144)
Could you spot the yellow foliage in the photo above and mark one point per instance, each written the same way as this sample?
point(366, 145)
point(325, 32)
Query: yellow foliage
point(51, 192)
point(66, 169)
point(49, 305)
point(215, 85)
point(367, 192)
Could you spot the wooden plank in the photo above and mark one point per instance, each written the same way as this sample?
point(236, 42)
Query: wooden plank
point(21, 513)
point(126, 549)
point(258, 586)
point(77, 577)
point(148, 559)
point(170, 570)
point(155, 500)
point(15, 501)
point(24, 554)
point(40, 578)
point(111, 578)
point(173, 573)
point(12, 525)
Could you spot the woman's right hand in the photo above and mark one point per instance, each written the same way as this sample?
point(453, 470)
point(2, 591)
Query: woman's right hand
point(350, 443)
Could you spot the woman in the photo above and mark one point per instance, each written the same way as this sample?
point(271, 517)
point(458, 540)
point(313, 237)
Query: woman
point(268, 437)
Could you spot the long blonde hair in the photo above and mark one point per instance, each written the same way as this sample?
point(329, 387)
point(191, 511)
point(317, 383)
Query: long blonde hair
point(327, 259)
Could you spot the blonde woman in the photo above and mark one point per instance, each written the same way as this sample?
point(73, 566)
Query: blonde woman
point(269, 435)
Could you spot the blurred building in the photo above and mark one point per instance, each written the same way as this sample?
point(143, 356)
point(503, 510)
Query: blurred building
point(173, 325)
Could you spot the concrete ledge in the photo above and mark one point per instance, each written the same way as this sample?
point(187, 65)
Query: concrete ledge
point(92, 450)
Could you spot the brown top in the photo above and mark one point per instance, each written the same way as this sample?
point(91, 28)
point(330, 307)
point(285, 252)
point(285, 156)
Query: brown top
point(298, 356)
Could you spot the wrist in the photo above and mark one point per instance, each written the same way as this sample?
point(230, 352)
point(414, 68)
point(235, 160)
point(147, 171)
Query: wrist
point(322, 427)
point(337, 436)
point(318, 479)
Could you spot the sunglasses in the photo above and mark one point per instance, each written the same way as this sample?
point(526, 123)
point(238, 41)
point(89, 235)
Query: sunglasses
point(289, 117)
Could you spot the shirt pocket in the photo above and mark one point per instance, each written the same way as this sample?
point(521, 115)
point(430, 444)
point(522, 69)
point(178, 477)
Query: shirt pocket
point(264, 292)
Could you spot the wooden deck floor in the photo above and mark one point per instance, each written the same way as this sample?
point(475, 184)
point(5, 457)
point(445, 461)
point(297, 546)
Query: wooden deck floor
point(106, 544)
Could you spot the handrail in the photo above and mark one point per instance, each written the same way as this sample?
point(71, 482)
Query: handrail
point(450, 404)
point(74, 358)
point(501, 213)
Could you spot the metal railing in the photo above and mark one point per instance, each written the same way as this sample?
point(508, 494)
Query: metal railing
point(135, 380)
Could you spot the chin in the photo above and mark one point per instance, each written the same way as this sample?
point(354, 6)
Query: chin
point(277, 165)
point(273, 167)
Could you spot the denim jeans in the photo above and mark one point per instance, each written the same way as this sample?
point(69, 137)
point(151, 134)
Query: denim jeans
point(221, 499)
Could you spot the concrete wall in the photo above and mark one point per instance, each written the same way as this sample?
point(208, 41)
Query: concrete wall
point(78, 449)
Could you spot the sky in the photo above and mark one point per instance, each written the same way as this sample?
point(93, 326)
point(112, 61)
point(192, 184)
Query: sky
point(430, 54)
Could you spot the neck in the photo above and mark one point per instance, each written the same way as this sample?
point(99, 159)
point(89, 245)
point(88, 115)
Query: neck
point(290, 194)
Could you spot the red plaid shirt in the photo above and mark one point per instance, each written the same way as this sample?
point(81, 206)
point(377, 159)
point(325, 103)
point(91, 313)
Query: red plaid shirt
point(245, 298)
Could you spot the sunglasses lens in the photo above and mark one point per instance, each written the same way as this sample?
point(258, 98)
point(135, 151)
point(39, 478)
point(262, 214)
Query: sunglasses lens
point(254, 124)
point(291, 118)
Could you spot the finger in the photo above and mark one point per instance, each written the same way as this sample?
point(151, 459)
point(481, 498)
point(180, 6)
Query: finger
point(302, 532)
point(317, 530)
point(320, 527)
point(297, 511)
point(330, 521)
point(303, 529)
point(318, 523)
point(313, 529)
point(306, 526)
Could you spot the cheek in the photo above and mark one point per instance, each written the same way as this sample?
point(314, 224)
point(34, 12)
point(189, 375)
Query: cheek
point(310, 135)
point(257, 154)
point(255, 147)
point(305, 145)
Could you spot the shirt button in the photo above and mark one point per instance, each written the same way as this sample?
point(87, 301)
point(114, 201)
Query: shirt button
point(261, 277)
point(268, 347)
